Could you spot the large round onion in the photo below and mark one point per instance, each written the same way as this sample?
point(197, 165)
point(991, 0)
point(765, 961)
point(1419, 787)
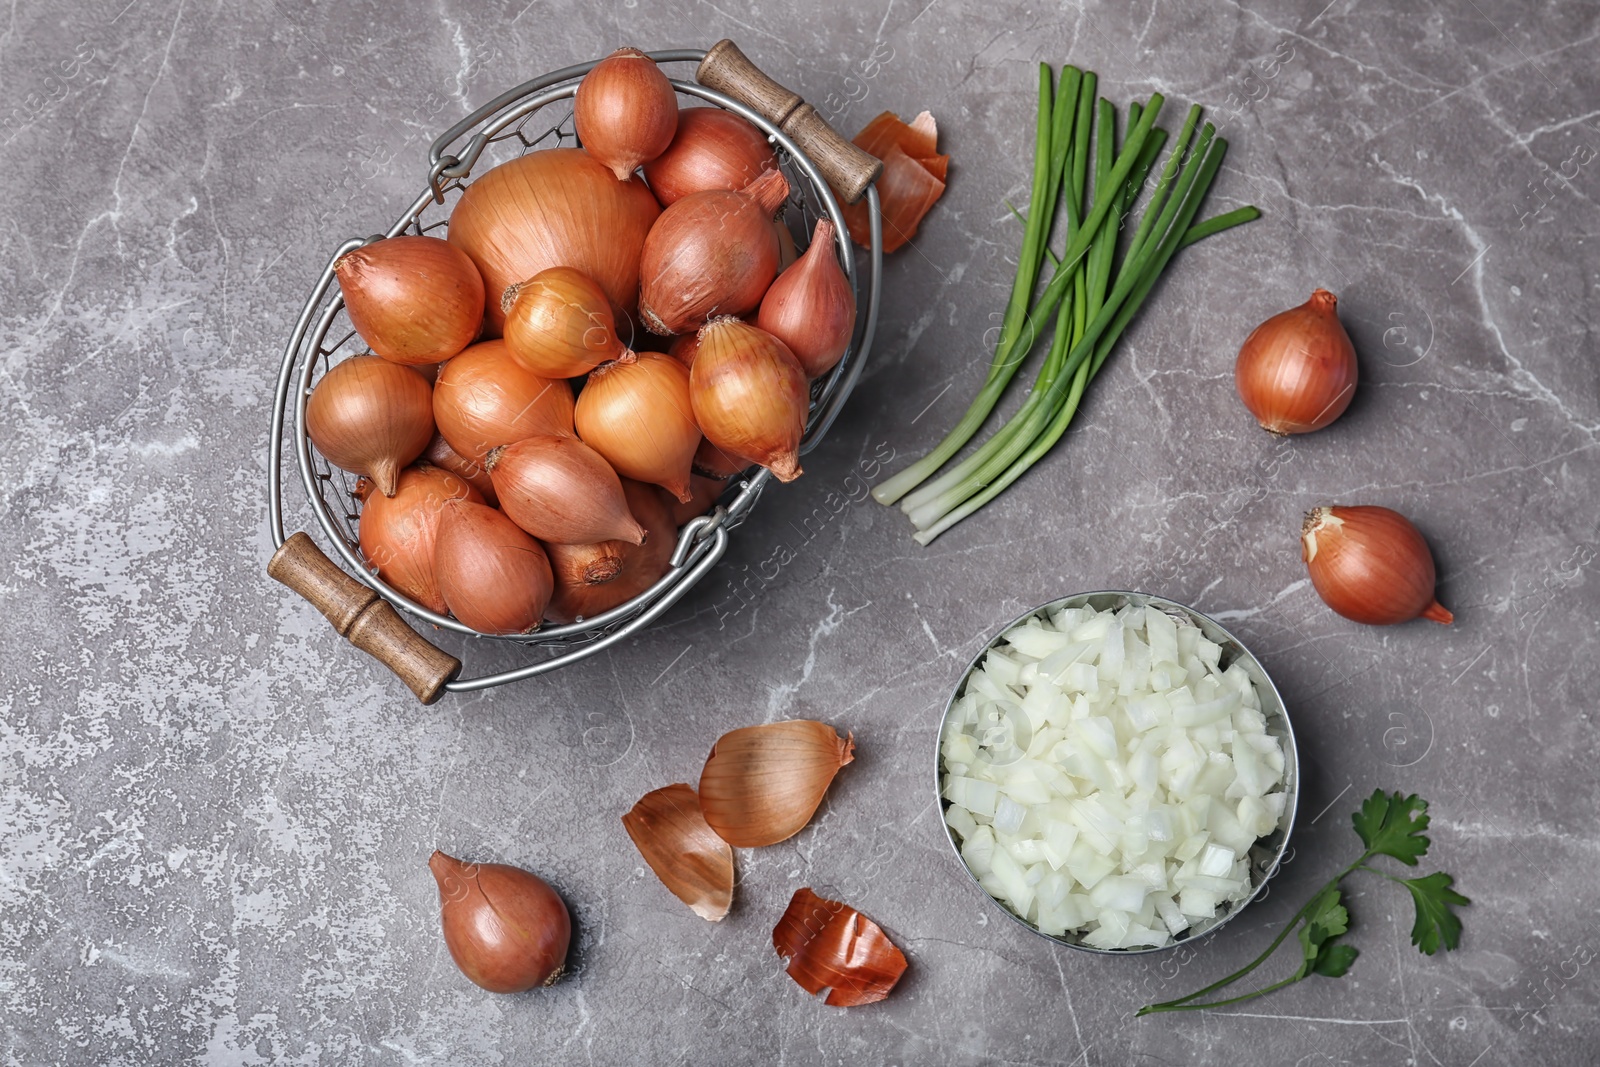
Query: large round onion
point(398, 532)
point(558, 207)
point(485, 398)
point(642, 565)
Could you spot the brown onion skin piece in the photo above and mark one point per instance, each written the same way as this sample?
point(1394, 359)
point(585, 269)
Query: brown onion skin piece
point(642, 565)
point(369, 416)
point(1297, 371)
point(637, 415)
point(761, 784)
point(750, 395)
point(494, 577)
point(811, 307)
point(560, 490)
point(441, 455)
point(559, 324)
point(686, 854)
point(485, 398)
point(833, 946)
point(505, 927)
point(626, 111)
point(550, 208)
point(398, 533)
point(713, 149)
point(1371, 565)
point(709, 254)
point(415, 300)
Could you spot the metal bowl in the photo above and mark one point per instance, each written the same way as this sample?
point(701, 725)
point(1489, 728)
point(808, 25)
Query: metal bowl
point(1267, 852)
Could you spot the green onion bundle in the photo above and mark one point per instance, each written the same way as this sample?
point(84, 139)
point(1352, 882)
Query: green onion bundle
point(1095, 286)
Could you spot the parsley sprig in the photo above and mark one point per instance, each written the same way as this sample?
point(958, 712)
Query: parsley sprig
point(1389, 824)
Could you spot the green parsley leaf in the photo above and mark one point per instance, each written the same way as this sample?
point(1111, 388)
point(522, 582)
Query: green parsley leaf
point(1436, 924)
point(1334, 960)
point(1324, 920)
point(1392, 825)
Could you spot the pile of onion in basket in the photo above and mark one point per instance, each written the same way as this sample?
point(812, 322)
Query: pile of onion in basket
point(490, 489)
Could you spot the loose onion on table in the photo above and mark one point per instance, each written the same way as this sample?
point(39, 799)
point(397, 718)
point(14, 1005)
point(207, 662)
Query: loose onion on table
point(712, 149)
point(560, 324)
point(637, 415)
point(811, 307)
point(1370, 565)
point(749, 395)
point(486, 398)
point(505, 927)
point(626, 111)
point(414, 300)
point(560, 490)
point(555, 207)
point(398, 533)
point(1297, 371)
point(1105, 774)
point(711, 253)
point(594, 578)
point(369, 416)
point(494, 577)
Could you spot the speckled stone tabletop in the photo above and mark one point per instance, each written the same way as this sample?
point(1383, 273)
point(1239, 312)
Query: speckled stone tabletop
point(215, 815)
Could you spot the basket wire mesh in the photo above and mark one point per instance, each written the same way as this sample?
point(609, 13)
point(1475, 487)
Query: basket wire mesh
point(531, 117)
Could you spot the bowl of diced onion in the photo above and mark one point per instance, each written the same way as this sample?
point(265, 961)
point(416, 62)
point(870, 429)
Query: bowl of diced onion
point(1117, 772)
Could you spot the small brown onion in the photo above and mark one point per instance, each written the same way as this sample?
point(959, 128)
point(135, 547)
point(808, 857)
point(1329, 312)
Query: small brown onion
point(398, 533)
point(811, 307)
point(642, 565)
point(414, 300)
point(749, 395)
point(494, 577)
point(711, 253)
point(486, 398)
point(1297, 371)
point(713, 149)
point(369, 416)
point(559, 324)
point(559, 489)
point(638, 416)
point(703, 493)
point(553, 207)
point(1371, 565)
point(441, 455)
point(505, 927)
point(626, 111)
point(713, 462)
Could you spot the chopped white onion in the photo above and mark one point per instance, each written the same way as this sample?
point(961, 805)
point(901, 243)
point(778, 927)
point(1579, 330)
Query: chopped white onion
point(1106, 775)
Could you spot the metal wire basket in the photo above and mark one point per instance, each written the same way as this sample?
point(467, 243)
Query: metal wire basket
point(534, 116)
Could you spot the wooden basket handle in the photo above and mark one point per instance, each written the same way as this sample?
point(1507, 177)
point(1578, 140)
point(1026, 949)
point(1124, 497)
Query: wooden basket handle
point(847, 168)
point(359, 614)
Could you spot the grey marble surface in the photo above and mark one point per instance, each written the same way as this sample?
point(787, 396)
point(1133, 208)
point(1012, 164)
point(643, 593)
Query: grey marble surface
point(215, 815)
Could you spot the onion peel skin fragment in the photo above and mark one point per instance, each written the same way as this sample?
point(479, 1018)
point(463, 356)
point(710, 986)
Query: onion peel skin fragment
point(912, 181)
point(762, 784)
point(832, 946)
point(674, 838)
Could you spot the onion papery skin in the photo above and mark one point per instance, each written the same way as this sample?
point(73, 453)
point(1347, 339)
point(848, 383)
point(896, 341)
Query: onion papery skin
point(696, 865)
point(749, 395)
point(369, 416)
point(626, 111)
point(1371, 565)
point(811, 307)
point(833, 946)
point(441, 455)
point(559, 489)
point(638, 416)
point(711, 253)
point(505, 927)
point(494, 577)
point(712, 150)
point(559, 324)
point(486, 398)
point(642, 565)
point(551, 208)
point(762, 784)
point(1297, 371)
point(413, 300)
point(398, 533)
